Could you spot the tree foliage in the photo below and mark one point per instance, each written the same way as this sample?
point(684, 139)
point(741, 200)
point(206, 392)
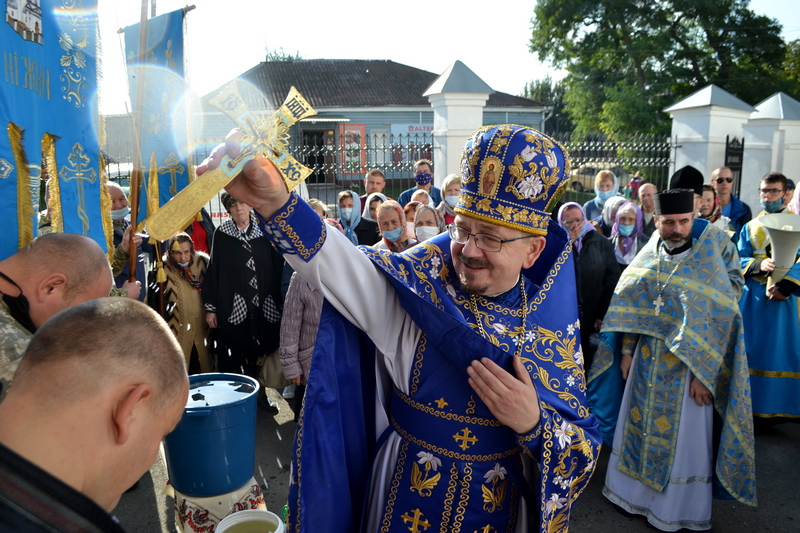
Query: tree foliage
point(629, 59)
point(280, 55)
point(551, 93)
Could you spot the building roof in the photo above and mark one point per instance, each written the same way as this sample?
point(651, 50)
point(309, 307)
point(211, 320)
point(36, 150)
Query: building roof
point(780, 106)
point(458, 78)
point(710, 95)
point(354, 83)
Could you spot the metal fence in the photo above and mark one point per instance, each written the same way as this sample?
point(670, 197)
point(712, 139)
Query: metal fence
point(338, 164)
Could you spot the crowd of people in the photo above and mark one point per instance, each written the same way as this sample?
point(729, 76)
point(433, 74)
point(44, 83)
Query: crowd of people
point(480, 349)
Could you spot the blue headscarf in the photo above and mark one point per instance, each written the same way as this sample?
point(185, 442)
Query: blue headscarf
point(355, 219)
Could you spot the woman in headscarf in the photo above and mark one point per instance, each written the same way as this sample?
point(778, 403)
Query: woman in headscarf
point(627, 234)
point(423, 198)
point(609, 215)
point(371, 204)
point(410, 212)
point(451, 187)
point(428, 223)
point(183, 304)
point(598, 272)
point(711, 210)
point(358, 230)
point(606, 186)
point(394, 231)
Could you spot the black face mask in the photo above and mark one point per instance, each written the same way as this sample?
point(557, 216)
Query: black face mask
point(18, 306)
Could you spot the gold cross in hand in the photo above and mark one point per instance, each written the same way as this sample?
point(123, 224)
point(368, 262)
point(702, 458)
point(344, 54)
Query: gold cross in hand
point(265, 136)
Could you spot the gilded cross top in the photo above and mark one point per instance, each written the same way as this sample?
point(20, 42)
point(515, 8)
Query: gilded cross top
point(266, 136)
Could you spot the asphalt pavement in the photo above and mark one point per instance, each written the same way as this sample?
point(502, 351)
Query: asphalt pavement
point(148, 510)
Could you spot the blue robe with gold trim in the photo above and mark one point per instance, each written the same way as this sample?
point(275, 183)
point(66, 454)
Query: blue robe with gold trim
point(699, 327)
point(400, 441)
point(771, 331)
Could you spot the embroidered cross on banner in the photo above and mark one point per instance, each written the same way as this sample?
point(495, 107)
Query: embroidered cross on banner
point(266, 136)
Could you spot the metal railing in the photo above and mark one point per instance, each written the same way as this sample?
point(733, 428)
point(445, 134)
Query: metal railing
point(338, 165)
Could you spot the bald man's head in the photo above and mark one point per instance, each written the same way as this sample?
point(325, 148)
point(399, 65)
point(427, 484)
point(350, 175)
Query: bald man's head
point(101, 342)
point(78, 257)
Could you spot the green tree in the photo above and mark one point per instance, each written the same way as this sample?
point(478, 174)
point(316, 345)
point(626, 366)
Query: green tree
point(791, 65)
point(281, 55)
point(551, 93)
point(628, 59)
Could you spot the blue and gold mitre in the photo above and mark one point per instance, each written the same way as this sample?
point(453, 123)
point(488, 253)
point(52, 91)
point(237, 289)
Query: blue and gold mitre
point(512, 176)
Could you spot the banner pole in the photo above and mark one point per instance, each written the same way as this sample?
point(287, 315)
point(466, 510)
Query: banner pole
point(137, 139)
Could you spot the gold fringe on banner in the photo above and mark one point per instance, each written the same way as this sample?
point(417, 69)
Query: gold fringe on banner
point(151, 190)
point(105, 209)
point(24, 198)
point(56, 213)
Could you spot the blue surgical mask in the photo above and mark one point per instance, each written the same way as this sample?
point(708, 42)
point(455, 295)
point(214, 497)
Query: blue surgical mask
point(393, 234)
point(605, 195)
point(626, 229)
point(183, 265)
point(772, 207)
point(451, 200)
point(120, 214)
point(346, 212)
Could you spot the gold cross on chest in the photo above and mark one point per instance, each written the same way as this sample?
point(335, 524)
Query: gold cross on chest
point(416, 521)
point(262, 135)
point(466, 439)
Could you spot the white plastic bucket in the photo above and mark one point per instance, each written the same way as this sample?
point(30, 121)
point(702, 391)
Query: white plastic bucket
point(251, 521)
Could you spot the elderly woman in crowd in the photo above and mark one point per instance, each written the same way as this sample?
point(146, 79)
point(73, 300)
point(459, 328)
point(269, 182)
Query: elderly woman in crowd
point(609, 215)
point(423, 198)
point(242, 293)
point(358, 230)
point(428, 223)
point(598, 271)
point(371, 204)
point(711, 210)
point(183, 303)
point(451, 186)
point(394, 231)
point(627, 234)
point(606, 186)
point(410, 212)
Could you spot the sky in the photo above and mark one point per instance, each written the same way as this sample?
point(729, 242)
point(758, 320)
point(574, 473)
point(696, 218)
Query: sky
point(225, 38)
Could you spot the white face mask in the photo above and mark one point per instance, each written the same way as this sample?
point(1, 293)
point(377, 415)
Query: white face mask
point(426, 232)
point(119, 214)
point(451, 200)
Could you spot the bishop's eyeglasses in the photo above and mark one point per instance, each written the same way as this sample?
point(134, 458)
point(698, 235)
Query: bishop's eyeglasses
point(487, 243)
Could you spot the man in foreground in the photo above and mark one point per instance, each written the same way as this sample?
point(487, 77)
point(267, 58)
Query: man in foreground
point(477, 419)
point(86, 415)
point(53, 272)
point(673, 340)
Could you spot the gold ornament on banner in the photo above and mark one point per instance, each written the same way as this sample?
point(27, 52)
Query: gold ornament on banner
point(265, 136)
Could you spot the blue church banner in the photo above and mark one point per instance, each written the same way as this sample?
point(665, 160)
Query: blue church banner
point(49, 117)
point(164, 133)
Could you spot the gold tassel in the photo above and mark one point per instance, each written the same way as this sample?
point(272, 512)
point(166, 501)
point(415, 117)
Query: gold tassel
point(151, 191)
point(24, 198)
point(161, 276)
point(56, 213)
point(105, 209)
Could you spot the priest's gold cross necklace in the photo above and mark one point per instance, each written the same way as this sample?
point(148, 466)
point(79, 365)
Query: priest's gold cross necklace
point(658, 303)
point(473, 306)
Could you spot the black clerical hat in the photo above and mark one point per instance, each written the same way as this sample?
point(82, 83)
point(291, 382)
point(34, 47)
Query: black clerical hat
point(687, 177)
point(674, 202)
